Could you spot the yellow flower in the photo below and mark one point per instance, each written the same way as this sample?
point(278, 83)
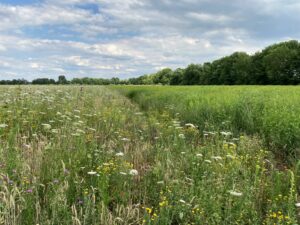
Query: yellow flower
point(149, 210)
point(163, 203)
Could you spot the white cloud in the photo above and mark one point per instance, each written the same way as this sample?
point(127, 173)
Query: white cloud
point(34, 65)
point(2, 48)
point(205, 17)
point(4, 63)
point(13, 17)
point(133, 37)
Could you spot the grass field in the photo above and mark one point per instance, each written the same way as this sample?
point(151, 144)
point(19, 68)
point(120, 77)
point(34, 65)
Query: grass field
point(88, 155)
point(272, 112)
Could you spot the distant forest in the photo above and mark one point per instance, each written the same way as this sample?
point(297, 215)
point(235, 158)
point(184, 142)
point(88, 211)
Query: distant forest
point(278, 64)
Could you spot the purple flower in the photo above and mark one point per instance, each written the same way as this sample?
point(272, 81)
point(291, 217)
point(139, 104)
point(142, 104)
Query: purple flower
point(80, 202)
point(29, 191)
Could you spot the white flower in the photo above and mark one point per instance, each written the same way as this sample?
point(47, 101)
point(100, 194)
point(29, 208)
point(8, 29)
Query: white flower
point(27, 146)
point(125, 139)
point(216, 158)
point(46, 126)
point(80, 131)
point(120, 154)
point(190, 125)
point(182, 201)
point(226, 133)
point(207, 161)
point(181, 136)
point(230, 156)
point(199, 155)
point(133, 172)
point(92, 173)
point(54, 131)
point(182, 153)
point(3, 125)
point(297, 204)
point(234, 193)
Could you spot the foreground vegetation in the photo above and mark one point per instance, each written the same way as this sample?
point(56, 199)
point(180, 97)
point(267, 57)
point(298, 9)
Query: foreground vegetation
point(71, 155)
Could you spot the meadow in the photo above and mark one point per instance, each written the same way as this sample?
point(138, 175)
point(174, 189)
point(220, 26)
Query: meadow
point(174, 155)
point(271, 112)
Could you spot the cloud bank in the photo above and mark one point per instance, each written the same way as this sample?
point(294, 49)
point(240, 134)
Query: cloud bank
point(103, 38)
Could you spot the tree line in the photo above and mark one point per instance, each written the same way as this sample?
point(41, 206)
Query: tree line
point(278, 64)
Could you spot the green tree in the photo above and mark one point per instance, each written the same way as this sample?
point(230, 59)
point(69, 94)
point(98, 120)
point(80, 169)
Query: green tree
point(62, 80)
point(281, 63)
point(177, 77)
point(192, 74)
point(163, 76)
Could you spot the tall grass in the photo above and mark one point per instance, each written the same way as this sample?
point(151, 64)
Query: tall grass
point(71, 155)
point(272, 112)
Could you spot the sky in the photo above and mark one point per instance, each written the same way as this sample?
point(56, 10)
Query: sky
point(129, 38)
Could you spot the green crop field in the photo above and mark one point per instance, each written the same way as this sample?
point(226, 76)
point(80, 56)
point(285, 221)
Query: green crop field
point(149, 155)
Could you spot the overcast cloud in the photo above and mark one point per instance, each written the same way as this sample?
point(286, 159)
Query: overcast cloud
point(127, 38)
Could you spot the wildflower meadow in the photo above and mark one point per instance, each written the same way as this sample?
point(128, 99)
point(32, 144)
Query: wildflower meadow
point(90, 155)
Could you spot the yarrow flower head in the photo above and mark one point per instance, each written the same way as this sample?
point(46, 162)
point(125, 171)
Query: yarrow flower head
point(236, 194)
point(92, 173)
point(190, 125)
point(46, 126)
point(125, 139)
point(133, 172)
point(226, 134)
point(182, 201)
point(3, 125)
point(181, 136)
point(120, 154)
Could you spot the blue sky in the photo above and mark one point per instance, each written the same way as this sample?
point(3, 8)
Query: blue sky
point(127, 38)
